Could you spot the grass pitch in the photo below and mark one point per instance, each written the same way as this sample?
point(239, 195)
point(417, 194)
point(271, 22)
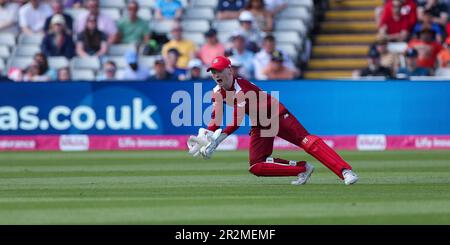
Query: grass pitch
point(166, 187)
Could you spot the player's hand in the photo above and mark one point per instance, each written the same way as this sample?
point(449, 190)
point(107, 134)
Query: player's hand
point(195, 143)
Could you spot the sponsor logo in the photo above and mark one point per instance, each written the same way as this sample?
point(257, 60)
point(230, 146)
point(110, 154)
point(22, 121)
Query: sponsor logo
point(18, 144)
point(371, 142)
point(129, 142)
point(428, 142)
point(74, 142)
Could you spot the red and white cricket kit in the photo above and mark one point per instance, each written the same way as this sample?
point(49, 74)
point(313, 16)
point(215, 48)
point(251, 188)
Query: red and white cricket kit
point(261, 147)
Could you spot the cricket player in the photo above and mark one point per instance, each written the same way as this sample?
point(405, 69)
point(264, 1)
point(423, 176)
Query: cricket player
point(235, 91)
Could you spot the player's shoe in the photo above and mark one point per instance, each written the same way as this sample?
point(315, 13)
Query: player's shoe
point(349, 177)
point(303, 177)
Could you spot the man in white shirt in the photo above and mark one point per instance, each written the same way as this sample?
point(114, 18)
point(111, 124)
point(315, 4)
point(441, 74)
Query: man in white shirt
point(32, 16)
point(263, 57)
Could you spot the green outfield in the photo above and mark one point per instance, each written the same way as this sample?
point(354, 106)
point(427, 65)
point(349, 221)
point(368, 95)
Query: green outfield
point(166, 187)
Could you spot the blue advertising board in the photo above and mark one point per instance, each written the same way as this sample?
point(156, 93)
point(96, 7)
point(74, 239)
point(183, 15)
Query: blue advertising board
point(179, 108)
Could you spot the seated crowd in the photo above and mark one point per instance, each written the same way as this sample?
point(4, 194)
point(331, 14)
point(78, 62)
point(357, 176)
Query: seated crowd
point(413, 40)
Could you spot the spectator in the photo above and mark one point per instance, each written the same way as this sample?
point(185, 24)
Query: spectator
point(41, 59)
point(262, 17)
point(427, 22)
point(58, 9)
point(168, 10)
point(32, 16)
point(58, 42)
point(160, 72)
point(133, 29)
point(185, 47)
point(195, 70)
point(241, 55)
point(92, 41)
point(73, 3)
point(229, 9)
point(443, 57)
point(408, 10)
point(427, 49)
point(104, 22)
point(394, 27)
point(134, 71)
point(172, 67)
point(437, 9)
point(253, 36)
point(263, 57)
point(8, 16)
point(411, 68)
point(212, 48)
point(276, 70)
point(387, 59)
point(109, 72)
point(275, 6)
point(35, 73)
point(64, 74)
point(374, 69)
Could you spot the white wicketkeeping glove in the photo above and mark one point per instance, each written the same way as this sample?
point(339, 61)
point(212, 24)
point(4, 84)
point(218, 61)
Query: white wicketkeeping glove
point(195, 143)
point(214, 140)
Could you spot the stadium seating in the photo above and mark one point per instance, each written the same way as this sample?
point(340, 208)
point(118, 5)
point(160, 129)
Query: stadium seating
point(91, 63)
point(4, 52)
point(2, 65)
point(197, 37)
point(147, 61)
point(26, 50)
point(290, 37)
point(7, 39)
point(291, 25)
point(82, 75)
point(161, 26)
point(309, 4)
point(74, 12)
point(119, 4)
point(195, 25)
point(120, 49)
point(199, 13)
point(226, 25)
point(289, 48)
point(146, 3)
point(20, 62)
point(113, 13)
point(145, 14)
point(35, 39)
point(205, 3)
point(118, 60)
point(58, 62)
point(224, 36)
